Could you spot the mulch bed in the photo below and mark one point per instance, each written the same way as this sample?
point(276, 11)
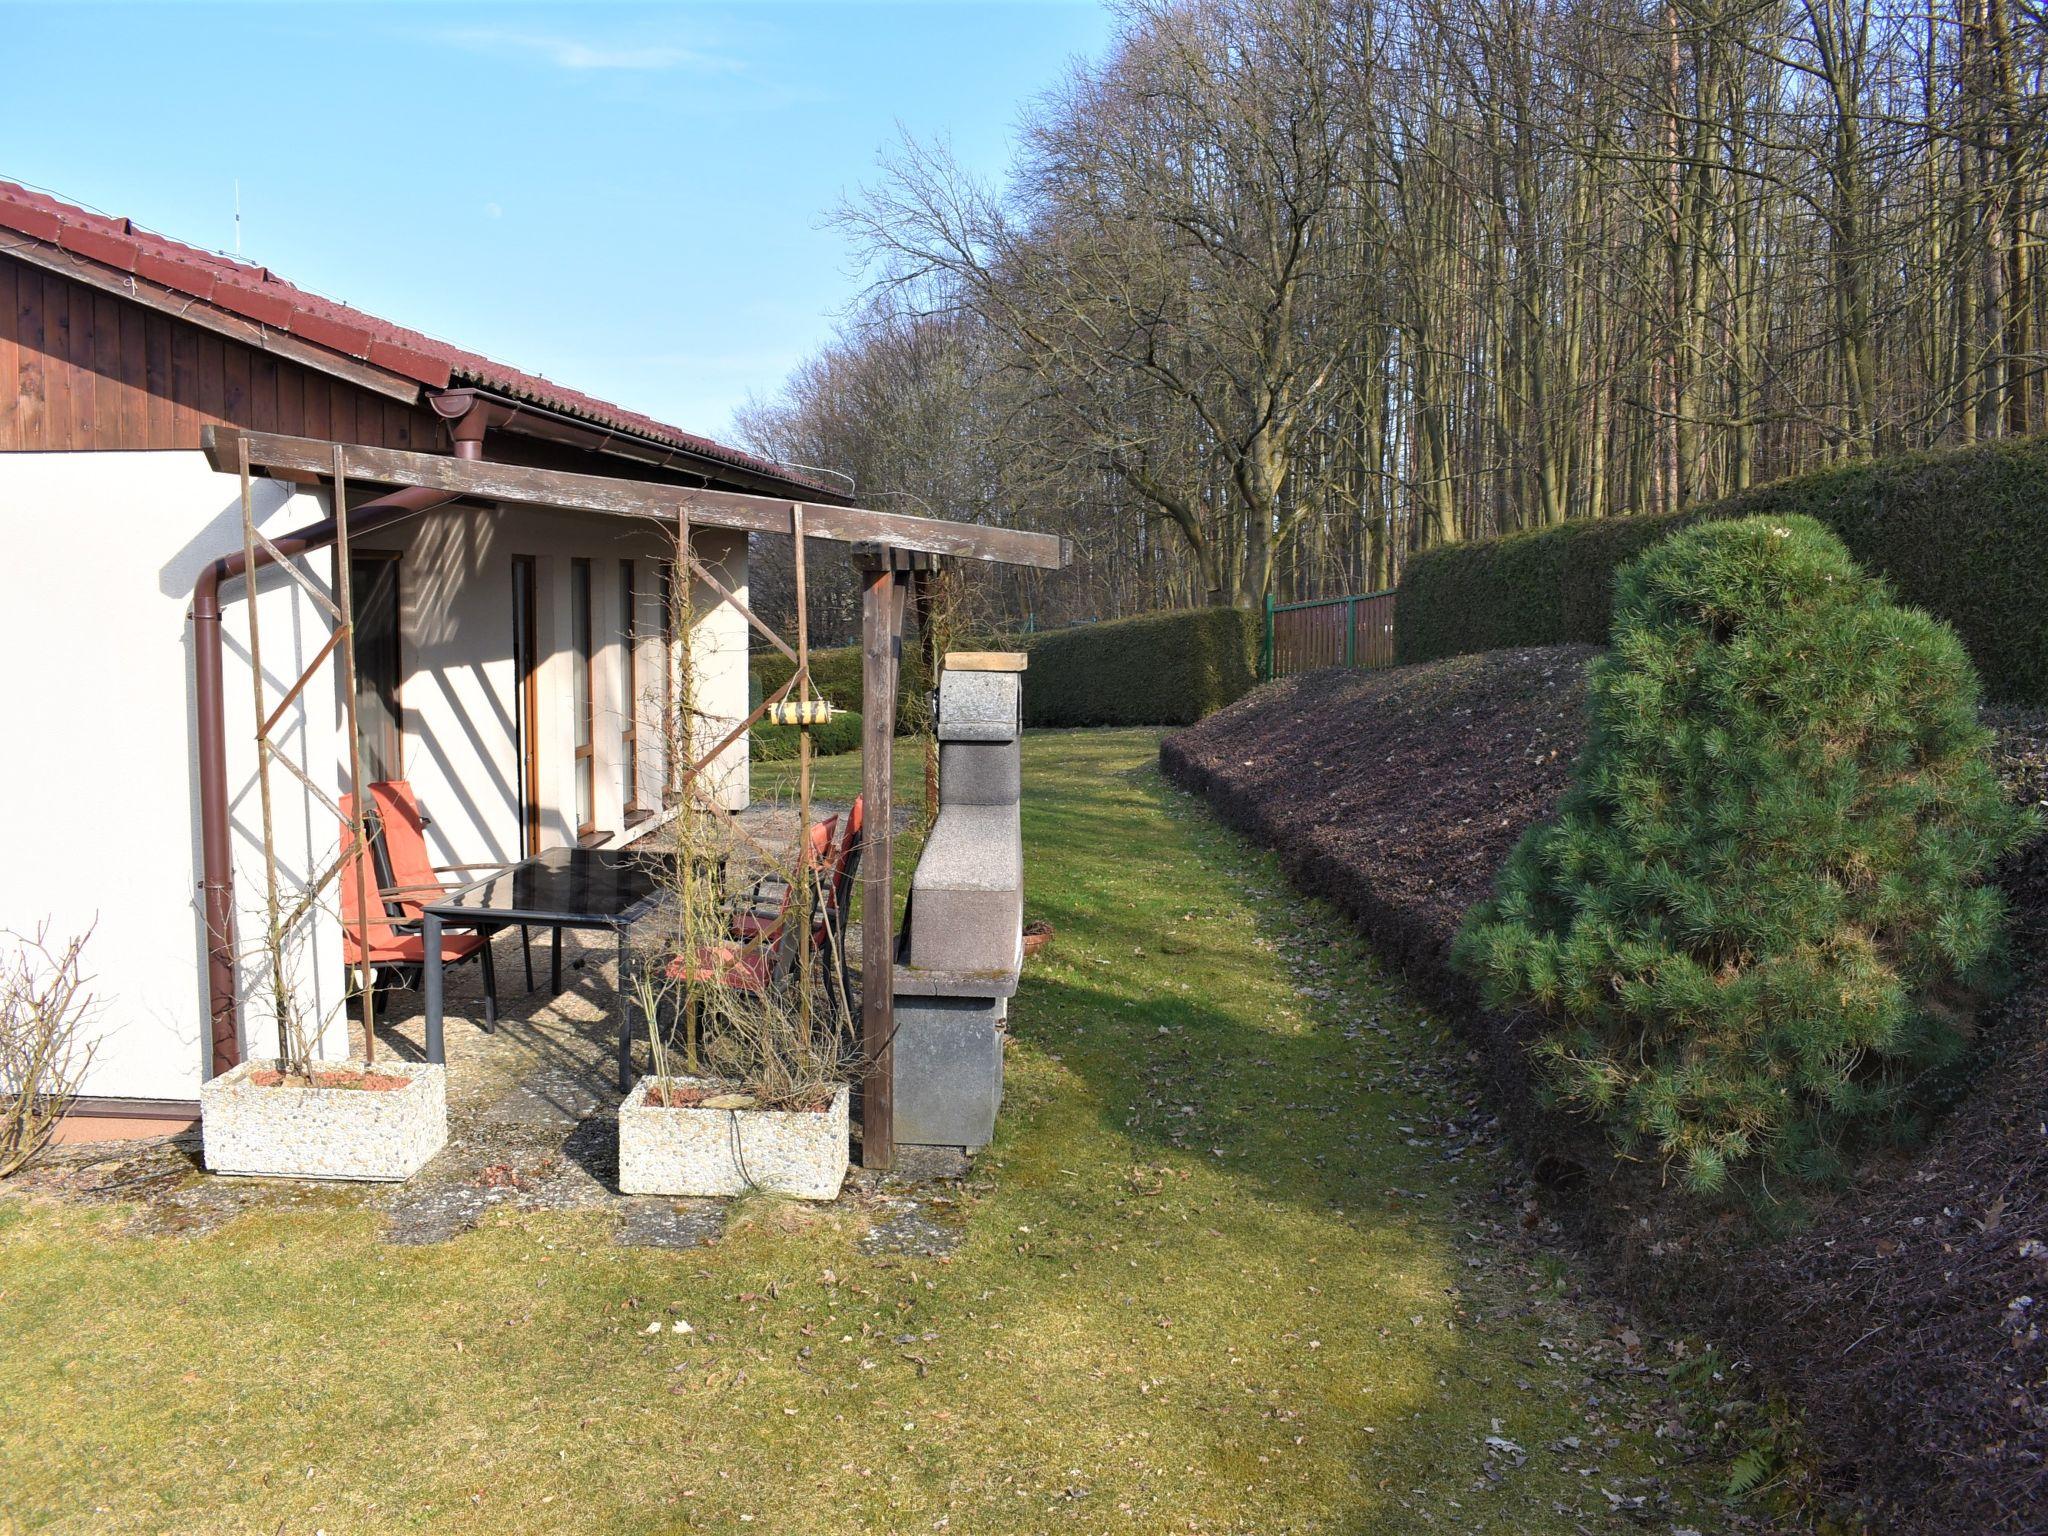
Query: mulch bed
point(700, 1096)
point(1903, 1312)
point(367, 1082)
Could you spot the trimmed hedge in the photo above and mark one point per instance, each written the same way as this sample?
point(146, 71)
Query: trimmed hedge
point(1962, 534)
point(777, 743)
point(836, 675)
point(1155, 669)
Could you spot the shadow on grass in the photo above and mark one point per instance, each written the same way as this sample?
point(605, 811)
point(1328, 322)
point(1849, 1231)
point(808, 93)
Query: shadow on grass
point(1177, 1022)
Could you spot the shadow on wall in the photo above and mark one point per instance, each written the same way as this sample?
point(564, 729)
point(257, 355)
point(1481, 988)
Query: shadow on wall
point(297, 816)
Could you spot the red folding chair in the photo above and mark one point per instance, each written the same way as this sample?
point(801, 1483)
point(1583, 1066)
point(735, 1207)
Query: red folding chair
point(416, 878)
point(763, 910)
point(372, 939)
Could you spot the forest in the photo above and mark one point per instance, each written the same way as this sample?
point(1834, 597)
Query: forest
point(1277, 292)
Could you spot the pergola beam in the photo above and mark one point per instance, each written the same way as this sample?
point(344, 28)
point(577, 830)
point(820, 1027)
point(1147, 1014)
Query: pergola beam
point(488, 481)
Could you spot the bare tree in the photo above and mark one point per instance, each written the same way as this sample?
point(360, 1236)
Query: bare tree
point(1171, 267)
point(1277, 294)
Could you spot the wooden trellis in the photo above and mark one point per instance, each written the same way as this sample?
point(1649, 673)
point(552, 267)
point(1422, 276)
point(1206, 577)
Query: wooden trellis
point(279, 919)
point(894, 552)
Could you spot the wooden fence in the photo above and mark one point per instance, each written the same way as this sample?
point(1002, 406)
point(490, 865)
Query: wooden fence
point(1331, 632)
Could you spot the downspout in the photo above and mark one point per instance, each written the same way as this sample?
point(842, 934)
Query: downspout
point(216, 846)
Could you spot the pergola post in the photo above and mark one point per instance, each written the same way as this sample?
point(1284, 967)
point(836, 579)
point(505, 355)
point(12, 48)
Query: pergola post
point(880, 640)
point(885, 583)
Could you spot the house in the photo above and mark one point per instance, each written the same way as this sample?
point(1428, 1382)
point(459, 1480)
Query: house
point(509, 653)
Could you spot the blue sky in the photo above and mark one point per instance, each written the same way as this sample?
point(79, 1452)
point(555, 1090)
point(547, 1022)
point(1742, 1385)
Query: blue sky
point(626, 198)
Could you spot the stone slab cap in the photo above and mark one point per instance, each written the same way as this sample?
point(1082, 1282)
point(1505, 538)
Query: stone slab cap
point(911, 981)
point(980, 706)
point(987, 661)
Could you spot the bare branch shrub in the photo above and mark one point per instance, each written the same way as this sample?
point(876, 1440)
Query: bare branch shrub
point(278, 962)
point(45, 1004)
point(767, 1043)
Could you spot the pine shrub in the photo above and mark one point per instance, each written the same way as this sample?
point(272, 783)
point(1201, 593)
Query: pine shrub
point(1757, 923)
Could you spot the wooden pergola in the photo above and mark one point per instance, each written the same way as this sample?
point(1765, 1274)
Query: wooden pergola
point(894, 552)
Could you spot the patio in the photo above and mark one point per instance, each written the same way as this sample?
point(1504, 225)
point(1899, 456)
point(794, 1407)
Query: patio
point(897, 557)
point(531, 1116)
point(531, 1128)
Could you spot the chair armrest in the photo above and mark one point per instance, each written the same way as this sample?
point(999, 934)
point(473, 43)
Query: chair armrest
point(449, 869)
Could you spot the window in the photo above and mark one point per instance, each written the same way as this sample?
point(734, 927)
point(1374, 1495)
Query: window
point(526, 700)
point(373, 595)
point(629, 680)
point(580, 701)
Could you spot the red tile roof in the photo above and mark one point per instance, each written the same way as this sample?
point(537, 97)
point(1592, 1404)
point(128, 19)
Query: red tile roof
point(258, 294)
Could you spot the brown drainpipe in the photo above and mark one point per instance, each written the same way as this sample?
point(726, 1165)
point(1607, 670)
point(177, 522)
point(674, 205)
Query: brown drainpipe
point(216, 849)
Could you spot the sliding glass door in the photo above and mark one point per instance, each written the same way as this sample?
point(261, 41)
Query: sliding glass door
point(373, 594)
point(526, 699)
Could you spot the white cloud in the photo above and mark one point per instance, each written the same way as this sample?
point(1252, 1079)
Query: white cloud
point(584, 54)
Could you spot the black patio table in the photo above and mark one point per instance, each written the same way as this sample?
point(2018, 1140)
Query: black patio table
point(585, 888)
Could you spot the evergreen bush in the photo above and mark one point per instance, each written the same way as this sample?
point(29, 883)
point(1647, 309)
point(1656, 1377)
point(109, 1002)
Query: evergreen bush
point(1757, 921)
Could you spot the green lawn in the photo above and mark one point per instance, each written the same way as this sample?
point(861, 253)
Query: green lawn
point(1218, 1275)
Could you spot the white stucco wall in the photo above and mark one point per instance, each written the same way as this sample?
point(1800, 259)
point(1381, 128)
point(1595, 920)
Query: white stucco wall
point(98, 764)
point(98, 772)
point(457, 694)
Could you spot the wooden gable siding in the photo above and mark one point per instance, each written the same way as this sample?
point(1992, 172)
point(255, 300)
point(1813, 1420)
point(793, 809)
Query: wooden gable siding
point(84, 369)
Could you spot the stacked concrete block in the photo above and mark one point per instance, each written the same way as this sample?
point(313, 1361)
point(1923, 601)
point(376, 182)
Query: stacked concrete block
point(967, 895)
point(966, 915)
point(948, 1058)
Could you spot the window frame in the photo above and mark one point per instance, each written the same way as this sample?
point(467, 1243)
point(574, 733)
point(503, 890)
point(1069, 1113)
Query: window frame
point(526, 705)
point(394, 561)
point(583, 679)
point(629, 678)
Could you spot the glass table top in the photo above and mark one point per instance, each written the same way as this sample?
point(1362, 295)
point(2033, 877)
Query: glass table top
point(570, 886)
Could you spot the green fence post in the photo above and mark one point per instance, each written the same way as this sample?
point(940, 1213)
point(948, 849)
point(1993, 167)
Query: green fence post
point(1350, 631)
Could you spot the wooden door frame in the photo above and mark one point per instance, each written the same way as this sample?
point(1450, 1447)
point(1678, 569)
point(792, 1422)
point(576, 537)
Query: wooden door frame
point(526, 743)
point(630, 810)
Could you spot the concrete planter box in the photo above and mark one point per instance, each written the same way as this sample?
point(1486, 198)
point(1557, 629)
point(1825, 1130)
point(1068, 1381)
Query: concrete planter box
point(700, 1151)
point(325, 1133)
